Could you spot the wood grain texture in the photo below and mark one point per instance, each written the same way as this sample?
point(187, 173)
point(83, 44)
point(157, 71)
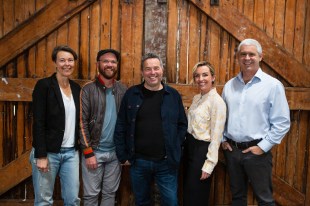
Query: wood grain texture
point(274, 55)
point(36, 27)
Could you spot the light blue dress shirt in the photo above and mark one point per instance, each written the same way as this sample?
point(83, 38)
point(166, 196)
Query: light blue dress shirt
point(255, 110)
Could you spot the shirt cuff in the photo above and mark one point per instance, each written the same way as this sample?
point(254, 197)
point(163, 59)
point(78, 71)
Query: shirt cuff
point(265, 145)
point(207, 167)
point(88, 152)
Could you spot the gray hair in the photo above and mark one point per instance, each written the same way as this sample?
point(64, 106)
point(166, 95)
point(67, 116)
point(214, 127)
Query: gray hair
point(251, 42)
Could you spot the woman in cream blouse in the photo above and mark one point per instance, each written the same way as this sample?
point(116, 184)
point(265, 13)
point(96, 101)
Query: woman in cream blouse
point(206, 120)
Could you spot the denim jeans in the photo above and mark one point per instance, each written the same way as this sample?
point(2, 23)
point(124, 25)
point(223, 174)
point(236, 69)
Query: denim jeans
point(142, 173)
point(105, 178)
point(66, 165)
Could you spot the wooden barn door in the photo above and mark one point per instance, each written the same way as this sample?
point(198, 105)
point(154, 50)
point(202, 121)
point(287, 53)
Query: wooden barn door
point(182, 32)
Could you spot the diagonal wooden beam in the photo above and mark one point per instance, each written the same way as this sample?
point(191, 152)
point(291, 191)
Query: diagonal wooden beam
point(15, 172)
point(228, 17)
point(20, 89)
point(38, 26)
point(285, 194)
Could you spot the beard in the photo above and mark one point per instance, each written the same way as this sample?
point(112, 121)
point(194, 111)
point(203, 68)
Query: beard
point(106, 75)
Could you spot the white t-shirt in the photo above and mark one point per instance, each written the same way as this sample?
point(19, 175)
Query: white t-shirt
point(69, 136)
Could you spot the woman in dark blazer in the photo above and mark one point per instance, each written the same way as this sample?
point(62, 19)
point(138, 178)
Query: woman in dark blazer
point(55, 131)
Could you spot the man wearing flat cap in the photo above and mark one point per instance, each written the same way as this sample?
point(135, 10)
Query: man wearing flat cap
point(100, 102)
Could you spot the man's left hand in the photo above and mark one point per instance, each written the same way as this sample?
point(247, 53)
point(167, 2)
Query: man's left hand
point(255, 150)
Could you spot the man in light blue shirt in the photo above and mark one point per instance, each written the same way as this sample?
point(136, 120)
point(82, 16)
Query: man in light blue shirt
point(258, 118)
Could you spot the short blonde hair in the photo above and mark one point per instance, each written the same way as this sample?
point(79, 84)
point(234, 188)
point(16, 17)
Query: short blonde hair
point(204, 63)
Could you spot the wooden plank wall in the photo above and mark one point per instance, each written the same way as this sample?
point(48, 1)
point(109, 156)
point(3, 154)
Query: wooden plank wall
point(104, 24)
point(188, 35)
point(199, 37)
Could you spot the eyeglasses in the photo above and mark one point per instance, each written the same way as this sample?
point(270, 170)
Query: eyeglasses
point(108, 61)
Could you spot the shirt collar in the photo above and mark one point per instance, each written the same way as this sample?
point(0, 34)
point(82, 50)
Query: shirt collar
point(258, 75)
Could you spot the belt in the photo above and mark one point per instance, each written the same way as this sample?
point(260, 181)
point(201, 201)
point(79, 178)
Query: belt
point(243, 145)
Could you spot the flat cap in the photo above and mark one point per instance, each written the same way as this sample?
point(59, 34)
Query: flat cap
point(104, 51)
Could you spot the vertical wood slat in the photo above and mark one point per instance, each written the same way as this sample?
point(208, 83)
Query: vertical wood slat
point(105, 24)
point(62, 35)
point(269, 17)
point(172, 41)
point(183, 49)
point(8, 18)
point(1, 18)
point(40, 63)
point(31, 62)
point(203, 37)
point(84, 64)
point(94, 34)
point(279, 21)
point(115, 25)
point(73, 41)
point(11, 69)
point(290, 158)
point(258, 16)
point(279, 158)
point(193, 41)
point(214, 53)
point(137, 39)
point(20, 111)
point(21, 66)
point(289, 25)
point(307, 183)
point(223, 58)
point(299, 31)
point(235, 67)
point(240, 5)
point(2, 112)
point(126, 42)
point(301, 151)
point(29, 8)
point(306, 56)
point(19, 12)
point(51, 42)
point(248, 9)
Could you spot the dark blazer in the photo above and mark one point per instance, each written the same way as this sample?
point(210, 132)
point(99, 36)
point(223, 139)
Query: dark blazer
point(49, 115)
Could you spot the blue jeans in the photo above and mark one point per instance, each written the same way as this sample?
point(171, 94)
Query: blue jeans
point(66, 165)
point(142, 173)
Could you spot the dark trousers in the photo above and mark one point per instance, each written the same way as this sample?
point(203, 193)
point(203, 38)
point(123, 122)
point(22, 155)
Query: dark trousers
point(195, 192)
point(248, 167)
